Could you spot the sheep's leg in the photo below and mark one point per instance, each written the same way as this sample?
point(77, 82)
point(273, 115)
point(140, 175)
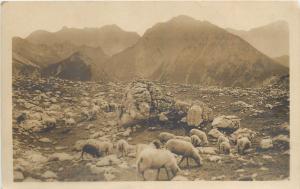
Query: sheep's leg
point(167, 173)
point(81, 155)
point(157, 176)
point(143, 174)
point(181, 160)
point(187, 162)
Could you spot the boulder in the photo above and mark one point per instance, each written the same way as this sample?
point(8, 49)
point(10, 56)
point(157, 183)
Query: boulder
point(194, 116)
point(143, 99)
point(60, 157)
point(207, 150)
point(226, 122)
point(49, 174)
point(266, 144)
point(180, 178)
point(18, 176)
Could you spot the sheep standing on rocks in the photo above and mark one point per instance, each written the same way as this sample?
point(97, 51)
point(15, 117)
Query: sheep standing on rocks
point(165, 136)
point(123, 148)
point(156, 159)
point(243, 144)
point(185, 149)
point(200, 134)
point(90, 149)
point(224, 147)
point(196, 141)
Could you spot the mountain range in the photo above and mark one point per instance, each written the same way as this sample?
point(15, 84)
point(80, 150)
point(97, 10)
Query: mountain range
point(271, 39)
point(111, 38)
point(181, 50)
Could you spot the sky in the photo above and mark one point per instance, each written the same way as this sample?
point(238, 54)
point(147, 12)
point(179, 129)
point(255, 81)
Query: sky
point(26, 17)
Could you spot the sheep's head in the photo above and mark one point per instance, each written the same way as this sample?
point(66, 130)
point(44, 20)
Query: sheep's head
point(197, 158)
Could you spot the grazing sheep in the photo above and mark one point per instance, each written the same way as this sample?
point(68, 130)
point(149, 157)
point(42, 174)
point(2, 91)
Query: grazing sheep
point(185, 149)
point(105, 147)
point(221, 139)
point(156, 159)
point(123, 147)
point(184, 138)
point(224, 147)
point(243, 144)
point(164, 136)
point(200, 134)
point(156, 143)
point(21, 118)
point(196, 141)
point(90, 149)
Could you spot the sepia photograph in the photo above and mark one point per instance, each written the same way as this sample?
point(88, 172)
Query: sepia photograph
point(149, 91)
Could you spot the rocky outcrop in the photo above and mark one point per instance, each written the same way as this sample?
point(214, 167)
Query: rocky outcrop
point(142, 100)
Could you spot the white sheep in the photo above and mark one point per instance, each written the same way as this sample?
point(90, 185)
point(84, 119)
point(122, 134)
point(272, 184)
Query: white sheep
point(106, 147)
point(156, 159)
point(221, 139)
point(224, 147)
point(184, 138)
point(200, 134)
point(185, 149)
point(243, 144)
point(123, 147)
point(140, 147)
point(196, 141)
point(165, 136)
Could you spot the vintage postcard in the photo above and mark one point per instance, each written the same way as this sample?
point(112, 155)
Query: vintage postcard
point(126, 94)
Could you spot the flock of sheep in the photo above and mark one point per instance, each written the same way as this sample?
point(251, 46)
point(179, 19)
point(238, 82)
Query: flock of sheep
point(160, 153)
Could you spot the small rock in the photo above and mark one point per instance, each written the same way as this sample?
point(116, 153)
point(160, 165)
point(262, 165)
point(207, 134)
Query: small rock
point(207, 150)
point(49, 174)
point(18, 176)
point(180, 178)
point(45, 140)
point(266, 144)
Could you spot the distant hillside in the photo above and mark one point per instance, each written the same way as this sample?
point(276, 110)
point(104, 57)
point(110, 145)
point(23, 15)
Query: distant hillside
point(110, 38)
point(41, 54)
point(283, 60)
point(85, 64)
point(271, 39)
point(24, 67)
point(185, 50)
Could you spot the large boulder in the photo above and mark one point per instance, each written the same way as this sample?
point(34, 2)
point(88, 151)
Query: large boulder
point(196, 112)
point(266, 144)
point(194, 116)
point(142, 100)
point(226, 122)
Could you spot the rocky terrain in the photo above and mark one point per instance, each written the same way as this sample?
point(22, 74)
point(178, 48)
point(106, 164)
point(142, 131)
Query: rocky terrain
point(53, 117)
